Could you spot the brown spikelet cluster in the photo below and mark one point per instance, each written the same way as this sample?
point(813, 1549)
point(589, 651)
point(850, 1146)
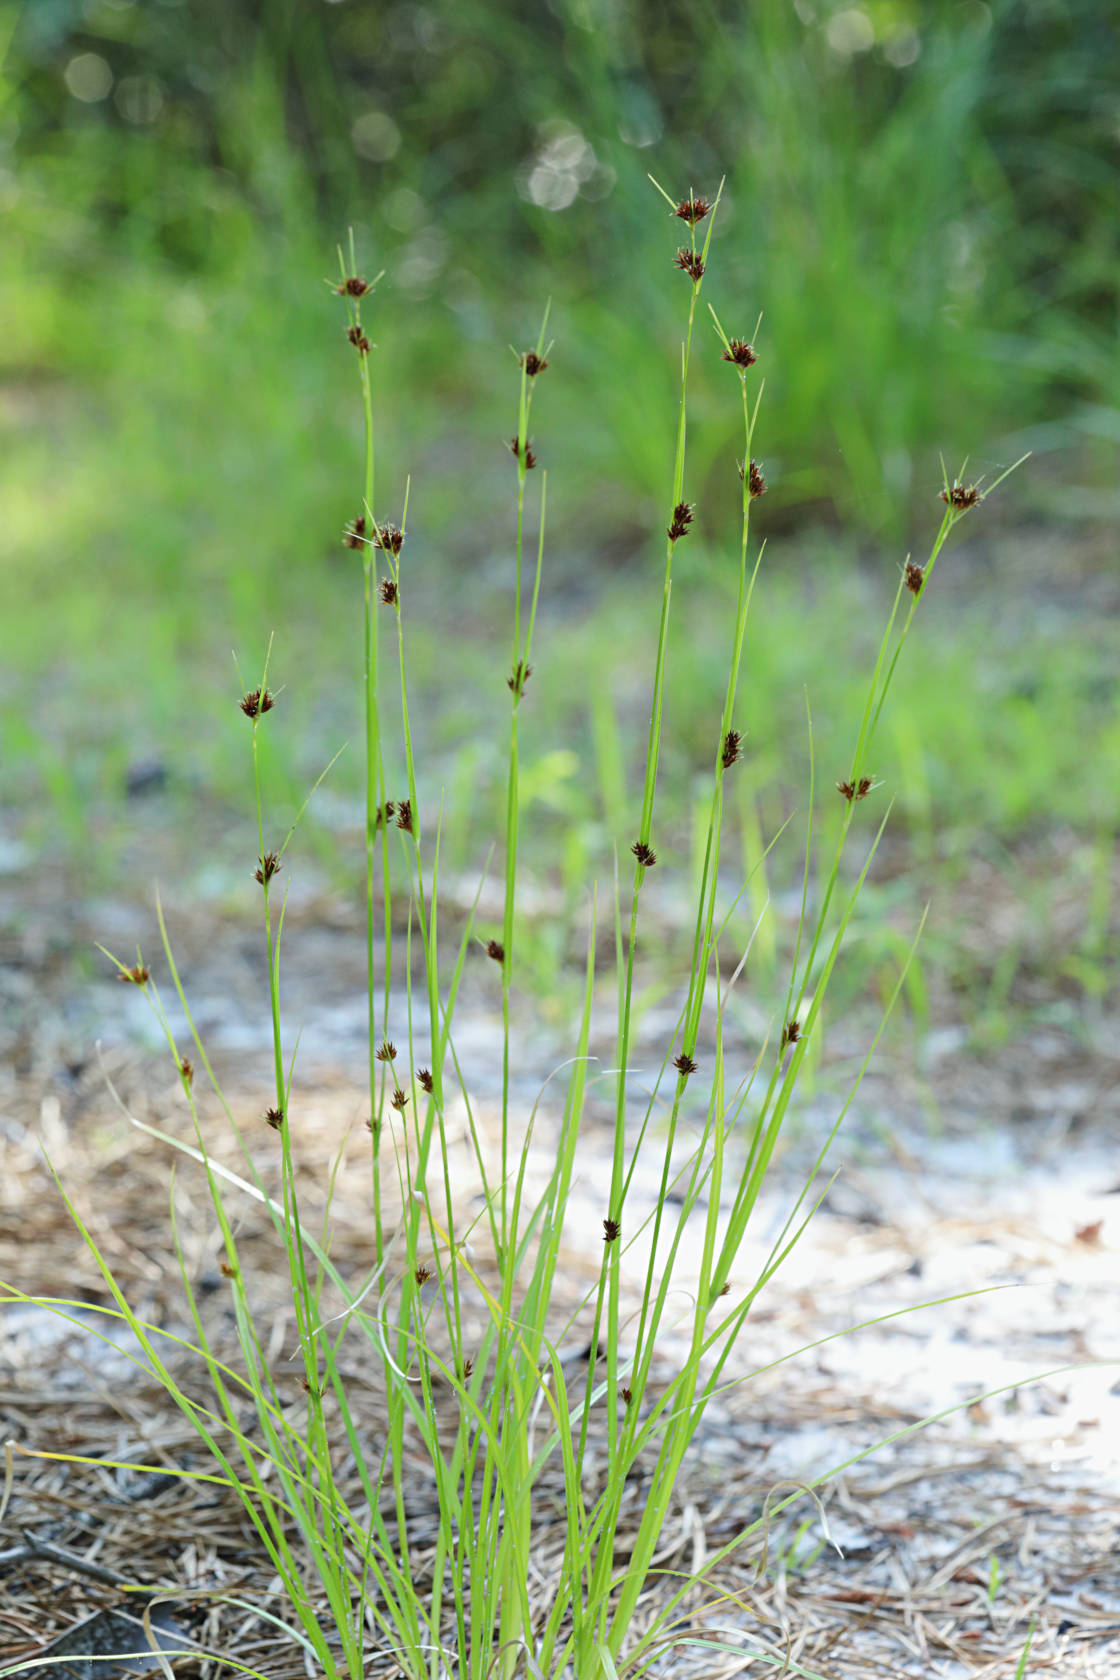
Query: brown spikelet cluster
point(692, 210)
point(732, 749)
point(398, 1100)
point(685, 1065)
point(495, 950)
point(915, 577)
point(691, 262)
point(626, 1395)
point(466, 1369)
point(515, 449)
point(742, 354)
point(267, 867)
point(532, 363)
point(423, 1275)
point(425, 1081)
point(404, 815)
point(137, 975)
point(186, 1071)
point(359, 340)
point(275, 1118)
point(389, 538)
point(791, 1033)
point(354, 535)
point(612, 1230)
point(645, 855)
point(521, 674)
point(683, 515)
point(387, 591)
point(257, 702)
point(756, 484)
point(226, 1269)
point(385, 813)
point(855, 790)
point(311, 1388)
point(961, 496)
point(353, 287)
point(386, 1051)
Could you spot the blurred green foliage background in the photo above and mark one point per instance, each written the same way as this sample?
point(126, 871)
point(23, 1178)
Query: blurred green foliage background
point(921, 201)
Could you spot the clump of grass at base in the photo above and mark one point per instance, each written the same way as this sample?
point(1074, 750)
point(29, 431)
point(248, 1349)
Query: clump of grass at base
point(470, 1307)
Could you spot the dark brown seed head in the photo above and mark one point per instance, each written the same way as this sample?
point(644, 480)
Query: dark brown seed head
point(385, 813)
point(626, 1395)
point(353, 286)
point(756, 484)
point(423, 1274)
point(515, 449)
point(856, 790)
point(645, 855)
point(791, 1032)
point(186, 1071)
point(612, 1230)
point(354, 534)
point(740, 352)
point(496, 950)
point(137, 975)
point(915, 578)
point(692, 264)
point(256, 702)
point(726, 1290)
point(310, 1388)
point(961, 496)
point(521, 675)
point(732, 749)
point(275, 1118)
point(226, 1269)
point(532, 363)
point(387, 590)
point(359, 340)
point(268, 866)
point(425, 1081)
point(683, 515)
point(398, 1100)
point(386, 1051)
point(692, 210)
point(404, 815)
point(685, 1065)
point(388, 538)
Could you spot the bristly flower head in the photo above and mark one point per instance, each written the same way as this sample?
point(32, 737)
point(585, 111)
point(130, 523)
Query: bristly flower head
point(521, 675)
point(385, 813)
point(186, 1071)
point(425, 1081)
point(915, 577)
point(645, 855)
point(275, 1118)
point(742, 354)
point(515, 449)
point(791, 1033)
point(398, 1100)
point(856, 790)
point(359, 340)
point(404, 815)
point(692, 210)
point(691, 262)
point(267, 866)
point(752, 472)
point(732, 749)
point(354, 534)
point(388, 538)
point(685, 1065)
point(256, 702)
point(961, 496)
point(353, 287)
point(495, 950)
point(387, 590)
point(612, 1230)
point(683, 515)
point(532, 363)
point(386, 1051)
point(135, 976)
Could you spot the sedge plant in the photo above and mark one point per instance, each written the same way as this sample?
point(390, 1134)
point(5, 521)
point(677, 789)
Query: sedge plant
point(464, 1314)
